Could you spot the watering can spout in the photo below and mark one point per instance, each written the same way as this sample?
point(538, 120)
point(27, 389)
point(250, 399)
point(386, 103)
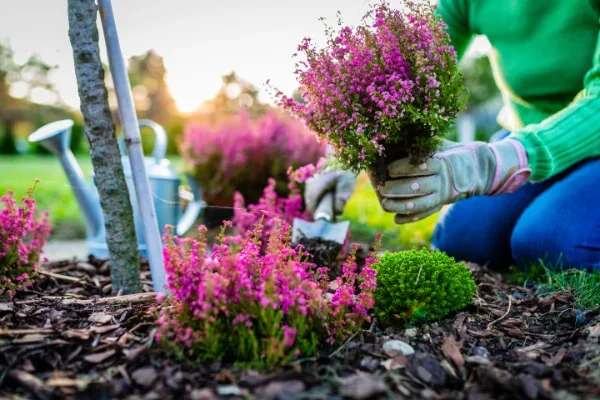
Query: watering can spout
point(56, 137)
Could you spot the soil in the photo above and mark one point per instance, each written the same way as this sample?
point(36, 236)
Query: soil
point(397, 151)
point(380, 173)
point(324, 252)
point(65, 338)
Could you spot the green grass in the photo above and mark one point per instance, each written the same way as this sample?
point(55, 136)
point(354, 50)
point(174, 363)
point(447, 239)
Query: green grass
point(53, 193)
point(367, 218)
point(584, 285)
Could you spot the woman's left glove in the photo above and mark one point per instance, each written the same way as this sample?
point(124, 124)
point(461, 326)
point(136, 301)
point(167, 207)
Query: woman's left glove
point(454, 173)
point(340, 183)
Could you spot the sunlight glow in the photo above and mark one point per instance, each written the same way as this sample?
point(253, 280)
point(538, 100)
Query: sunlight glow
point(190, 93)
point(18, 90)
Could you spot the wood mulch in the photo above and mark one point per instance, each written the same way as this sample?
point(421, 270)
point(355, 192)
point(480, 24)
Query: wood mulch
point(67, 338)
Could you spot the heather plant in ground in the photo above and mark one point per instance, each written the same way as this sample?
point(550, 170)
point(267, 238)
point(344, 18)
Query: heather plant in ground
point(388, 87)
point(241, 153)
point(240, 303)
point(420, 284)
point(272, 207)
point(23, 234)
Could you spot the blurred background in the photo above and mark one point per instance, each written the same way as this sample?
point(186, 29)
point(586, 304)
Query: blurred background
point(198, 68)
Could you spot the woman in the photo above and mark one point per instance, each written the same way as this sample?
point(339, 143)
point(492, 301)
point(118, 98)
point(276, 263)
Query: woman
point(534, 194)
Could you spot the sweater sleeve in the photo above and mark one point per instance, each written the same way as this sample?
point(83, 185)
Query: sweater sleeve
point(569, 136)
point(455, 14)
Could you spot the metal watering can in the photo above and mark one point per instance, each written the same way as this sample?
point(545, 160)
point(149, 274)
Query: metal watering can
point(164, 184)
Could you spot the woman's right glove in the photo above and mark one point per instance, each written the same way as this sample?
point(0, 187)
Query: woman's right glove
point(456, 172)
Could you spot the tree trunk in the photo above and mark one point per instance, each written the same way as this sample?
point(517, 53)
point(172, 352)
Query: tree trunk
point(104, 149)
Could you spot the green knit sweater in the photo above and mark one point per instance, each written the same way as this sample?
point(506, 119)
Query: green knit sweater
point(546, 61)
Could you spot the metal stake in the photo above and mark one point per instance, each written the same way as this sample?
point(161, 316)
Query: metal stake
point(133, 141)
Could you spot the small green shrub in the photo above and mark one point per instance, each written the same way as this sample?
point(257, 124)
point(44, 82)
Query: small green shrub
point(413, 285)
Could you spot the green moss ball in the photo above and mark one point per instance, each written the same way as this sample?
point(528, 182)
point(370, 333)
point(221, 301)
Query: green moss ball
point(420, 284)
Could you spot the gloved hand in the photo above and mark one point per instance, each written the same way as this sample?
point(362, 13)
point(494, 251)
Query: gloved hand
point(340, 183)
point(454, 173)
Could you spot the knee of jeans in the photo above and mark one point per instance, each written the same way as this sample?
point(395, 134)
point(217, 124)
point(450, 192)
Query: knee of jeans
point(520, 247)
point(532, 245)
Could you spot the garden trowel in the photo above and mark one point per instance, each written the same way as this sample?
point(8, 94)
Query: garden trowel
point(322, 227)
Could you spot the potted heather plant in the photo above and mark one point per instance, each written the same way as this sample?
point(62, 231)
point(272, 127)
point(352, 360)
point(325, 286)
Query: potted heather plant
point(241, 154)
point(385, 90)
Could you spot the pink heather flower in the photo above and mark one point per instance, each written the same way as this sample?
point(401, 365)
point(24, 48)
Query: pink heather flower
point(302, 174)
point(289, 336)
point(257, 299)
point(23, 235)
point(270, 208)
point(160, 297)
point(395, 70)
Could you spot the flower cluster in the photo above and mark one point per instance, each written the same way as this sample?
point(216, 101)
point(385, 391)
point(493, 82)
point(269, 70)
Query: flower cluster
point(23, 235)
point(302, 174)
point(272, 207)
point(237, 302)
point(240, 154)
point(388, 85)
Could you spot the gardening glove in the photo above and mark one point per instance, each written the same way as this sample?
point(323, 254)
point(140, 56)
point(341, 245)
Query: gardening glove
point(454, 173)
point(341, 184)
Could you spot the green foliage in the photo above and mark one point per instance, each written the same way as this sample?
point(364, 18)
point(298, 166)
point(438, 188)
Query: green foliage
point(420, 284)
point(584, 285)
point(248, 347)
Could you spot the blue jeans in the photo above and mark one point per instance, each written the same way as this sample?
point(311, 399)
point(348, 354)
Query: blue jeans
point(556, 221)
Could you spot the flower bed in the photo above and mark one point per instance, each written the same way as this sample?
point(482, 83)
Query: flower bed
point(512, 344)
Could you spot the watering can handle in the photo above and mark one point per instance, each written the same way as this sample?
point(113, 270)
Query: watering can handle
point(193, 209)
point(160, 145)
